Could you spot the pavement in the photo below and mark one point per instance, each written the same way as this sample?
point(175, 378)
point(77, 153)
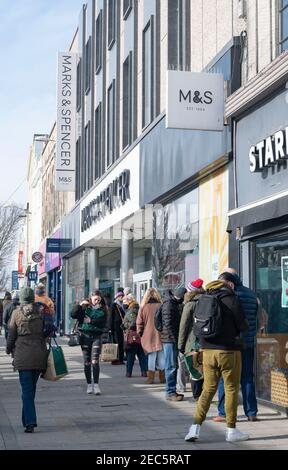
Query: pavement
point(129, 415)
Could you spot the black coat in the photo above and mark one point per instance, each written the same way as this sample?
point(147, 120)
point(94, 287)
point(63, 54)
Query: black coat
point(171, 316)
point(234, 323)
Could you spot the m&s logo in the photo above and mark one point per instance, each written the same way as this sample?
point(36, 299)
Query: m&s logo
point(195, 97)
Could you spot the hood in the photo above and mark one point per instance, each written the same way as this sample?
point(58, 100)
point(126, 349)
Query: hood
point(238, 281)
point(191, 295)
point(215, 285)
point(170, 296)
point(30, 311)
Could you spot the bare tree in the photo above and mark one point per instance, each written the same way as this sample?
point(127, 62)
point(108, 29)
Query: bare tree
point(10, 222)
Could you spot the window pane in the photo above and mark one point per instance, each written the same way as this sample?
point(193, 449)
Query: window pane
point(127, 7)
point(127, 102)
point(98, 141)
point(99, 42)
point(284, 24)
point(284, 3)
point(284, 46)
point(176, 243)
point(147, 76)
point(111, 23)
point(111, 121)
point(87, 65)
point(272, 290)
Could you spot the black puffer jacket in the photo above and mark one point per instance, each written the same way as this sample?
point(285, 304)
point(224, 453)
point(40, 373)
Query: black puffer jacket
point(171, 315)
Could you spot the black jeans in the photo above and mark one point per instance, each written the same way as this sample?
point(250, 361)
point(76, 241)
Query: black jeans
point(91, 349)
point(119, 339)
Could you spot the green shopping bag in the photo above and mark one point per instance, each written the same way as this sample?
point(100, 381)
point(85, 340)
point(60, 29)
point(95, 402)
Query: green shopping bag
point(193, 362)
point(56, 364)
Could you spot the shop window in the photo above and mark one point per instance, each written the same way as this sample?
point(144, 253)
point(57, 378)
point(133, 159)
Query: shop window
point(283, 24)
point(271, 259)
point(175, 252)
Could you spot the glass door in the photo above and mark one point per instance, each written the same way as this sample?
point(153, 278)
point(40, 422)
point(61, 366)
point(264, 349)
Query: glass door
point(271, 282)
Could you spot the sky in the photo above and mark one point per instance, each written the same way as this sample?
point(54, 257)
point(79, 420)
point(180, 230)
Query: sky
point(31, 34)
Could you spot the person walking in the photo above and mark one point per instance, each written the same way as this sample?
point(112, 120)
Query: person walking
point(132, 348)
point(26, 341)
point(250, 306)
point(9, 310)
point(150, 337)
point(187, 340)
point(171, 315)
point(91, 315)
point(42, 298)
point(221, 354)
point(117, 317)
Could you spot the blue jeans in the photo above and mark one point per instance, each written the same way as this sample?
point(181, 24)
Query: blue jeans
point(130, 354)
point(247, 386)
point(156, 360)
point(171, 354)
point(28, 380)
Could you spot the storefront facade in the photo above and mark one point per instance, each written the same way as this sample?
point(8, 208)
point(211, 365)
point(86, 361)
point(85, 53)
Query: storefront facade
point(184, 177)
point(259, 222)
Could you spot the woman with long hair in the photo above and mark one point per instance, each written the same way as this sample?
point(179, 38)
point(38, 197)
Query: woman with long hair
point(91, 315)
point(150, 337)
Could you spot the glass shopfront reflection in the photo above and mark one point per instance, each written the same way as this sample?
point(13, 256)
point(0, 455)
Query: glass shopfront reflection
point(272, 341)
point(175, 249)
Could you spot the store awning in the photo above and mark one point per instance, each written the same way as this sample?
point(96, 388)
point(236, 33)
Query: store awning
point(266, 211)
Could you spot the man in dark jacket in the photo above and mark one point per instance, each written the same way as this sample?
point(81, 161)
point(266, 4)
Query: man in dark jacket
point(171, 315)
point(250, 306)
point(9, 310)
point(222, 357)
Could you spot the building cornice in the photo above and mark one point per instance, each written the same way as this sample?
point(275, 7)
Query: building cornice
point(256, 89)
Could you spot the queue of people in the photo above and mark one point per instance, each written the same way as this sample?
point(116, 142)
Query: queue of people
point(224, 341)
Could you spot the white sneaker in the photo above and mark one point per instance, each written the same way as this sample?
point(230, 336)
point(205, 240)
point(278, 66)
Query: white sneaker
point(90, 389)
point(194, 433)
point(234, 435)
point(97, 390)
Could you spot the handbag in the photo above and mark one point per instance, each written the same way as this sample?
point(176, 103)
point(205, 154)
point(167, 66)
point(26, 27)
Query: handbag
point(74, 336)
point(56, 363)
point(132, 338)
point(109, 350)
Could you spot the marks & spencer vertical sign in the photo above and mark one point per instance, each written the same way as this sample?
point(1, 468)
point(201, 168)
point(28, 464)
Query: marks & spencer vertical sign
point(195, 101)
point(66, 115)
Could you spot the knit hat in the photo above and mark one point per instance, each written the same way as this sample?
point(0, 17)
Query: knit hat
point(119, 294)
point(40, 289)
point(194, 285)
point(27, 296)
point(180, 292)
point(127, 290)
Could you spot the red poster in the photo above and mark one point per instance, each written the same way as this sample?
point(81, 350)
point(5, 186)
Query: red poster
point(20, 265)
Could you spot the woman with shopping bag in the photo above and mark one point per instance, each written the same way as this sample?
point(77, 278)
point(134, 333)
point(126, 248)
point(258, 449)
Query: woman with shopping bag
point(26, 340)
point(91, 315)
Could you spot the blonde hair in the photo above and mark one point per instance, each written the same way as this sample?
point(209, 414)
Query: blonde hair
point(151, 293)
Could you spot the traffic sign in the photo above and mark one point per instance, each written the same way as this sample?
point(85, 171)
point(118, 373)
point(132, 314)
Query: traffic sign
point(37, 257)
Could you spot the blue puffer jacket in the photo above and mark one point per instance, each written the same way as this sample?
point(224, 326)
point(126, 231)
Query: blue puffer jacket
point(249, 303)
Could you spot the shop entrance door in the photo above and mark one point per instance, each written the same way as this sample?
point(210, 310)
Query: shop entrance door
point(271, 282)
point(142, 282)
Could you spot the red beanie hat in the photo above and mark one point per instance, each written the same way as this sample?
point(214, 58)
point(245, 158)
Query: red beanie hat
point(194, 285)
